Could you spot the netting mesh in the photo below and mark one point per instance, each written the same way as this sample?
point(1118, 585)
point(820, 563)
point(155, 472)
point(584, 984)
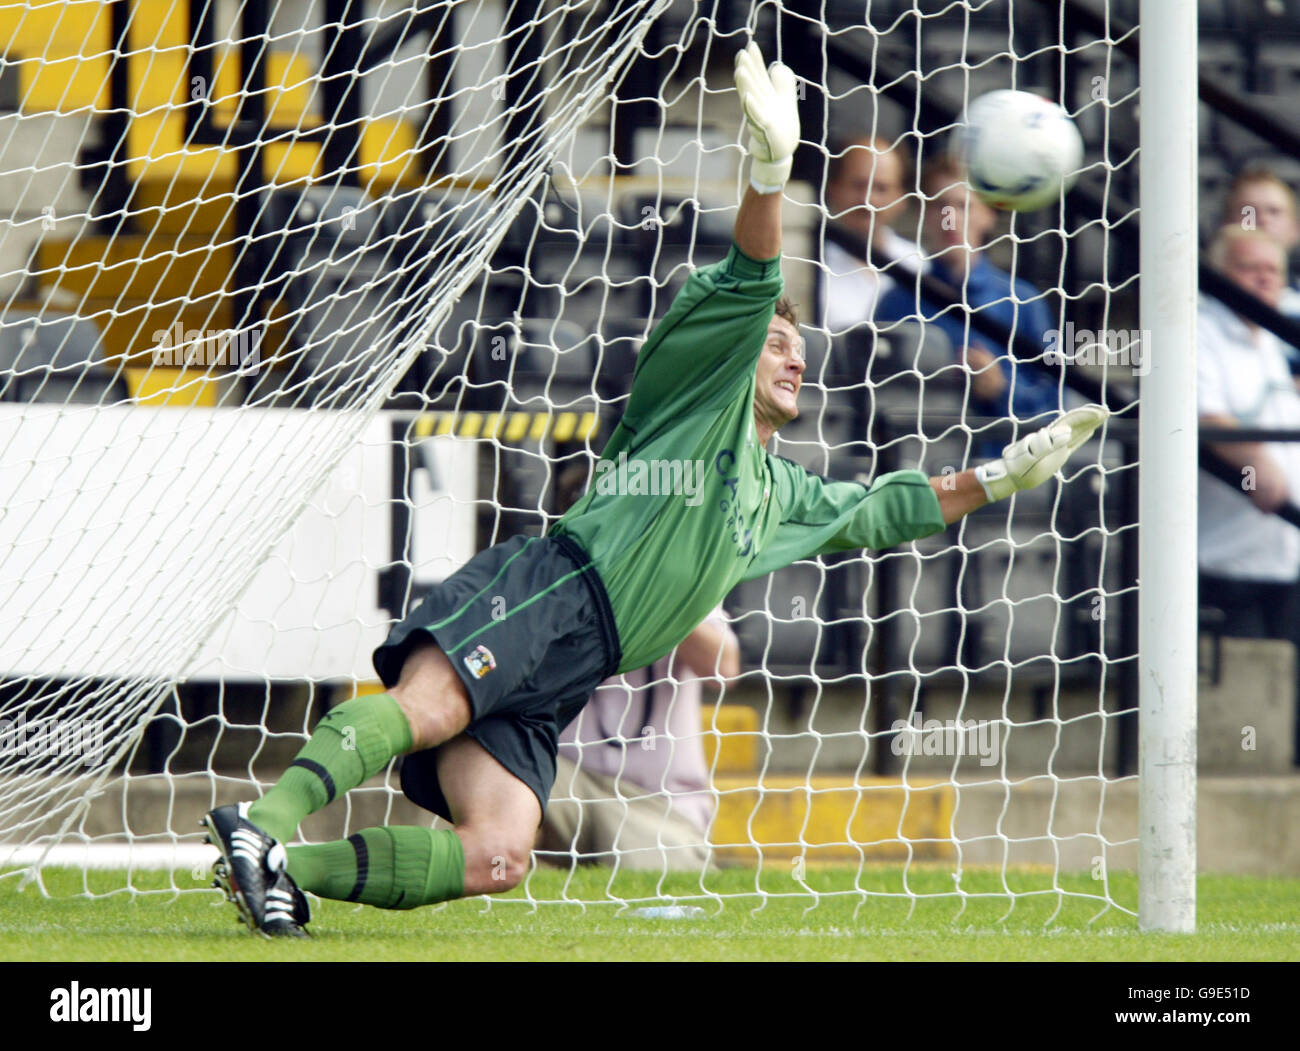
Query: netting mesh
point(306, 303)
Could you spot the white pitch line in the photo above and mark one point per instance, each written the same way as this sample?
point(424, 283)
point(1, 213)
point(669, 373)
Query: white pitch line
point(109, 855)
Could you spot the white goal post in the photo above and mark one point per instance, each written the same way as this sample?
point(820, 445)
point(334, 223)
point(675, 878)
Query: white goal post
point(1168, 567)
point(306, 302)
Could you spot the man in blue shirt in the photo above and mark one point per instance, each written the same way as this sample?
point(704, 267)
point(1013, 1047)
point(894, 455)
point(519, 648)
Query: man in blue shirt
point(955, 225)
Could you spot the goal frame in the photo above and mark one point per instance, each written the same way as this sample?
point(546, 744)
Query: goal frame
point(1168, 473)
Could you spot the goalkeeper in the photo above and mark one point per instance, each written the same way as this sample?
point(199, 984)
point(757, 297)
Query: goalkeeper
point(477, 699)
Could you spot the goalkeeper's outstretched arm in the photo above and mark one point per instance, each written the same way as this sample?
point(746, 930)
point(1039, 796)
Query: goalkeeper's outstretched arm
point(769, 98)
point(1024, 464)
point(959, 495)
point(758, 225)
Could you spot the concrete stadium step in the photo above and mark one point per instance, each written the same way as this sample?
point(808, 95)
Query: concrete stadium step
point(157, 149)
point(67, 27)
point(59, 53)
point(41, 163)
point(180, 388)
point(155, 804)
point(34, 83)
point(182, 205)
point(70, 27)
point(290, 85)
point(66, 85)
point(132, 330)
point(731, 738)
point(813, 820)
point(785, 816)
point(158, 153)
point(781, 817)
point(158, 80)
point(155, 266)
point(1244, 823)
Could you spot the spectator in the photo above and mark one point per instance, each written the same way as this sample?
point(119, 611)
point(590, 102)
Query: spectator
point(1249, 558)
point(955, 224)
point(631, 782)
point(1259, 199)
point(865, 194)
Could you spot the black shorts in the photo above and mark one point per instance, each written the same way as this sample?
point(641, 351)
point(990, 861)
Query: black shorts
point(529, 629)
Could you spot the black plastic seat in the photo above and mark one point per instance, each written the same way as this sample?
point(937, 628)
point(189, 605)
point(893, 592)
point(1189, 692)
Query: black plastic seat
point(56, 359)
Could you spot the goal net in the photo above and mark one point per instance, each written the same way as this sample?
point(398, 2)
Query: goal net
point(307, 302)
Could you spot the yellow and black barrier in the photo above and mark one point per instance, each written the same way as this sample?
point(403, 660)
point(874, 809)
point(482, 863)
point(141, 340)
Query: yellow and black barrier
point(509, 426)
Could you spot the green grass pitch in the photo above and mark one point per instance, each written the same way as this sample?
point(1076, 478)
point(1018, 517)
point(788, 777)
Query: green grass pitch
point(1239, 918)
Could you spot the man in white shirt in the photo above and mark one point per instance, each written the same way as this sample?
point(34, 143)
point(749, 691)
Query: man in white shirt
point(866, 192)
point(632, 786)
point(1249, 558)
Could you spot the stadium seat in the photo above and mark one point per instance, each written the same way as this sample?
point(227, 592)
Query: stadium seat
point(362, 263)
point(546, 238)
point(779, 621)
point(329, 221)
point(426, 230)
point(661, 230)
point(916, 388)
point(1278, 67)
point(570, 260)
point(441, 375)
point(651, 220)
point(334, 337)
point(55, 359)
point(533, 369)
point(1222, 59)
point(530, 363)
point(1214, 16)
point(319, 235)
point(614, 362)
point(826, 437)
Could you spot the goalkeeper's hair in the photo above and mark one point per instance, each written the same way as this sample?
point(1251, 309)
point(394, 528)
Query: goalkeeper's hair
point(788, 310)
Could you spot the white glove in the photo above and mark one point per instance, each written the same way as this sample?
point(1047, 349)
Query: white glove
point(1036, 457)
point(769, 98)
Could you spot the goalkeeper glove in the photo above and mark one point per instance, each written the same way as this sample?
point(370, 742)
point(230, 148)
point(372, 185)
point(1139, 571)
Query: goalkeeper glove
point(1035, 458)
point(770, 101)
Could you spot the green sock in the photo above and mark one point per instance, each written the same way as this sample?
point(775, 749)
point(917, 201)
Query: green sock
point(352, 743)
point(395, 867)
point(327, 869)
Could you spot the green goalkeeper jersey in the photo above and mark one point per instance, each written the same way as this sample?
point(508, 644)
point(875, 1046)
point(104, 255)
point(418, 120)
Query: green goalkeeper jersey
point(685, 503)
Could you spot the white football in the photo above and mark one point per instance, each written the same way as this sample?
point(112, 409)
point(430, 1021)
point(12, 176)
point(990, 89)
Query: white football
point(1021, 151)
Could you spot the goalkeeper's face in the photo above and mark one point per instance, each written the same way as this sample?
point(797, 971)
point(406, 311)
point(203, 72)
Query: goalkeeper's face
point(779, 377)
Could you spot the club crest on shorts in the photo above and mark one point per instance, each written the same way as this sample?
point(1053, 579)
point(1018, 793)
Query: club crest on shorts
point(480, 662)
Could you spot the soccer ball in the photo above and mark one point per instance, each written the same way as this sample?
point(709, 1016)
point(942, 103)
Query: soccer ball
point(1020, 151)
